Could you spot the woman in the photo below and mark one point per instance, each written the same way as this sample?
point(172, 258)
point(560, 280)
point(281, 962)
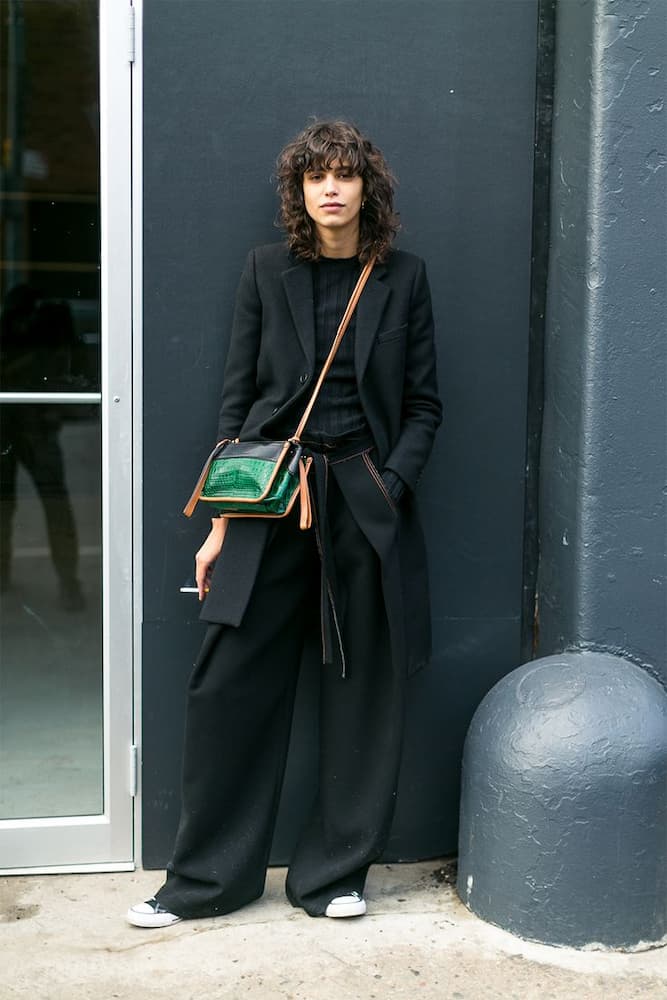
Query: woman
point(356, 581)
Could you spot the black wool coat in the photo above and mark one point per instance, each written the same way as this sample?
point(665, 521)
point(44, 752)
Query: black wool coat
point(269, 373)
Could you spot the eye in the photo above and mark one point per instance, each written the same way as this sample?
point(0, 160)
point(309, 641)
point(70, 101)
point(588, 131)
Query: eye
point(313, 175)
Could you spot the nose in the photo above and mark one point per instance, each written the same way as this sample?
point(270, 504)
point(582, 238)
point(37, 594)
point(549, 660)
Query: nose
point(331, 185)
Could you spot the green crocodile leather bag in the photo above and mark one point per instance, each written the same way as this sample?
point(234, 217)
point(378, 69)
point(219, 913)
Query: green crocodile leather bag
point(265, 478)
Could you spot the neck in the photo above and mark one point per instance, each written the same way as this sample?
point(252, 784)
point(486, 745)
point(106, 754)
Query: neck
point(339, 243)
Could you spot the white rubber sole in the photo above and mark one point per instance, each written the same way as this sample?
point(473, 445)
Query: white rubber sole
point(143, 915)
point(346, 906)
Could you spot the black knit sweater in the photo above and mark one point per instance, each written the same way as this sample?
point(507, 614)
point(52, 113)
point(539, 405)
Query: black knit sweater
point(338, 409)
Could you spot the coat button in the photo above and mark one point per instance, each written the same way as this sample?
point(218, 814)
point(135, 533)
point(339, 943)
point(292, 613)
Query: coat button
point(303, 378)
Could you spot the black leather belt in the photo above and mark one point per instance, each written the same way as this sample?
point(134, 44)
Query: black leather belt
point(340, 447)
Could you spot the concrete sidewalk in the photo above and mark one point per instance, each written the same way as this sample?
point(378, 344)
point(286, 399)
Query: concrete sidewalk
point(64, 938)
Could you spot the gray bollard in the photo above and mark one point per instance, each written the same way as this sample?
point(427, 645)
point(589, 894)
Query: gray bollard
point(563, 834)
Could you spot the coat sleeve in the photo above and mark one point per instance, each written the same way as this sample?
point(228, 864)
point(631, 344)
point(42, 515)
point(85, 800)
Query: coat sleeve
point(239, 387)
point(421, 409)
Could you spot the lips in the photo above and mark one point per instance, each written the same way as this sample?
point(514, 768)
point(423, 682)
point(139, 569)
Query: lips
point(333, 204)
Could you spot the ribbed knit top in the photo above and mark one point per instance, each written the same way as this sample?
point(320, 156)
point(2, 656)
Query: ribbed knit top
point(338, 408)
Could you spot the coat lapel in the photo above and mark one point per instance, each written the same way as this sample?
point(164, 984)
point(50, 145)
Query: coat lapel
point(298, 283)
point(370, 307)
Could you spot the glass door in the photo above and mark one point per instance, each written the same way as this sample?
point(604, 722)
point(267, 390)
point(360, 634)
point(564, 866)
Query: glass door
point(65, 436)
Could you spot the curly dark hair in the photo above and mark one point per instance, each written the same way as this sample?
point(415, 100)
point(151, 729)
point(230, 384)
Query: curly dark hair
point(319, 146)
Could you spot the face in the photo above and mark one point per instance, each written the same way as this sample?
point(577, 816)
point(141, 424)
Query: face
point(333, 197)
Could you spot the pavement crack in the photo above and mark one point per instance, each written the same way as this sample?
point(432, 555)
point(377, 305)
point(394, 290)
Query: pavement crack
point(109, 949)
point(343, 961)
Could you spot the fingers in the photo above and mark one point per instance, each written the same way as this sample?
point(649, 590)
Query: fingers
point(203, 577)
point(207, 555)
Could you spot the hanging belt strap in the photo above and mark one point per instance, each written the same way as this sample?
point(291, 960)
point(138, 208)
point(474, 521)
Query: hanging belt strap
point(332, 640)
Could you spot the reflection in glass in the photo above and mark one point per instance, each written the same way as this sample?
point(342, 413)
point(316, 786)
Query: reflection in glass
point(50, 611)
point(50, 463)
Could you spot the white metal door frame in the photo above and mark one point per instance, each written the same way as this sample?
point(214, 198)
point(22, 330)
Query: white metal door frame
point(105, 842)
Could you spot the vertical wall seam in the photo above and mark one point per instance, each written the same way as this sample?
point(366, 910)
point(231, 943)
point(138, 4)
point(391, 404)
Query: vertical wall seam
point(541, 226)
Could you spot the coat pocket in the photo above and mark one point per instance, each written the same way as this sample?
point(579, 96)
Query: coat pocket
point(395, 333)
point(379, 482)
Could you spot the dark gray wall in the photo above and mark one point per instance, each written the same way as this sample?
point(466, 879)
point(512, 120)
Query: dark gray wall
point(446, 88)
point(604, 450)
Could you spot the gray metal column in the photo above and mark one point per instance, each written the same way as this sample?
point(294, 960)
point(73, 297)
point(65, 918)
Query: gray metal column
point(603, 462)
point(564, 795)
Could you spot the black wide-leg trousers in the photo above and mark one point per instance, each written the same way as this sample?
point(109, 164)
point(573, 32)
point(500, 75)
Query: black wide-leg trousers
point(238, 718)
